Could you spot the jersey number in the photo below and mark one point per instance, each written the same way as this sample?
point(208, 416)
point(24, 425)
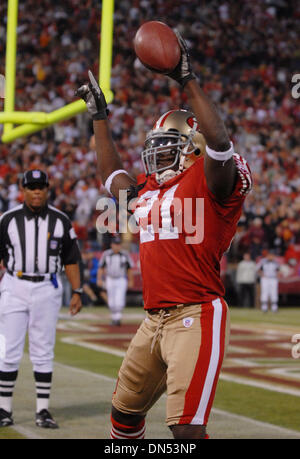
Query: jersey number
point(160, 208)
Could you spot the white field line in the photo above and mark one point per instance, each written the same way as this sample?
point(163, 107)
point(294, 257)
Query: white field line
point(225, 377)
point(261, 385)
point(94, 347)
point(261, 424)
point(215, 410)
point(32, 435)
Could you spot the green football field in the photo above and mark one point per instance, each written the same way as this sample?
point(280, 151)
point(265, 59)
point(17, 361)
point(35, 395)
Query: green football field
point(258, 395)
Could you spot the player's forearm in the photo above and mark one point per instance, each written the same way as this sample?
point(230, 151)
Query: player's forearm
point(73, 275)
point(108, 159)
point(100, 274)
point(210, 122)
point(220, 173)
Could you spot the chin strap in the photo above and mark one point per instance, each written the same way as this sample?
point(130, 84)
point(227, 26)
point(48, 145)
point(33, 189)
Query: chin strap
point(166, 175)
point(181, 163)
point(169, 173)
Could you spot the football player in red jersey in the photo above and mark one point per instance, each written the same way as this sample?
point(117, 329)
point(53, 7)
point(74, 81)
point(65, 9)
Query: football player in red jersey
point(188, 204)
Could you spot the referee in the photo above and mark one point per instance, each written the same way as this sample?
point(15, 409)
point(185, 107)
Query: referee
point(268, 268)
point(116, 266)
point(36, 241)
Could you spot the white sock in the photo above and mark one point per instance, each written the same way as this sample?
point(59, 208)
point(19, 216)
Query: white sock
point(42, 404)
point(6, 403)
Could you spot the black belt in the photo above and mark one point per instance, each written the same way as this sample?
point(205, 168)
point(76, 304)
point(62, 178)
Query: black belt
point(32, 278)
point(28, 278)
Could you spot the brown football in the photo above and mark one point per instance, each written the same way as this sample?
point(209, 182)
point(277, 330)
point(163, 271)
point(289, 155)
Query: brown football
point(157, 47)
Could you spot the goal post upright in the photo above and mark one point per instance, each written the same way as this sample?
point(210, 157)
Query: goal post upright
point(10, 60)
point(35, 121)
point(106, 48)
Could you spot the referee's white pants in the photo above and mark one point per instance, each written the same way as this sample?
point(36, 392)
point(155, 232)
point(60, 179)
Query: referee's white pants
point(116, 295)
point(33, 307)
point(269, 290)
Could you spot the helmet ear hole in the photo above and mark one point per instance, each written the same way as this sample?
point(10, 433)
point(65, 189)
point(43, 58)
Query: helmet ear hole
point(197, 152)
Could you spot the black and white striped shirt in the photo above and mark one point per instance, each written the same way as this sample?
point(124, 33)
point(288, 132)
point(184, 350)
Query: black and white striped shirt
point(115, 264)
point(37, 243)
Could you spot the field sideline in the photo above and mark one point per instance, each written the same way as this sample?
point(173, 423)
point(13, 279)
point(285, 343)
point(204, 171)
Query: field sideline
point(257, 396)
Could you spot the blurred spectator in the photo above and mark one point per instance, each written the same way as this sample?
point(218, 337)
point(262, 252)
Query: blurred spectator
point(95, 294)
point(244, 54)
point(292, 255)
point(246, 281)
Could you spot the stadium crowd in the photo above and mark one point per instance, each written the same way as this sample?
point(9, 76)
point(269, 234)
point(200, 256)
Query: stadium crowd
point(244, 53)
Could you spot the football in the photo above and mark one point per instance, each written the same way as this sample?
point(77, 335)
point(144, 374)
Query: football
point(157, 47)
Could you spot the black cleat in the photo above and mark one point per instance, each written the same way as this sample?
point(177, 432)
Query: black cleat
point(45, 420)
point(5, 418)
point(116, 323)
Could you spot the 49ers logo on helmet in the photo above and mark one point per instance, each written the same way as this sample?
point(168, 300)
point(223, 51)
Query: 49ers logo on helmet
point(193, 123)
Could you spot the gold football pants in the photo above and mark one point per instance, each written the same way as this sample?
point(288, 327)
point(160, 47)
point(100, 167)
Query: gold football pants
point(179, 351)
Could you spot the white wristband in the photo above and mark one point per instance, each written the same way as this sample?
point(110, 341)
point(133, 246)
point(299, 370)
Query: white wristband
point(110, 178)
point(220, 155)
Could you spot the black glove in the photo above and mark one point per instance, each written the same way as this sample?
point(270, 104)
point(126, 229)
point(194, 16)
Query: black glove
point(94, 98)
point(183, 71)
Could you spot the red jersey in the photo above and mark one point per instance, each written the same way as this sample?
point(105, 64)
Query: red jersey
point(184, 232)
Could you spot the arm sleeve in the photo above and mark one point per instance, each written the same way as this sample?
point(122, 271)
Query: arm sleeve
point(244, 181)
point(3, 239)
point(129, 262)
point(70, 253)
point(243, 186)
point(2, 242)
point(102, 261)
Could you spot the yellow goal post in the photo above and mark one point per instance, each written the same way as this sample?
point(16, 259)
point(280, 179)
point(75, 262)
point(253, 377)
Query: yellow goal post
point(30, 122)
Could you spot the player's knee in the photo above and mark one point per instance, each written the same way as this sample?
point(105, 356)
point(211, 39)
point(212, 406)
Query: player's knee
point(189, 432)
point(127, 425)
